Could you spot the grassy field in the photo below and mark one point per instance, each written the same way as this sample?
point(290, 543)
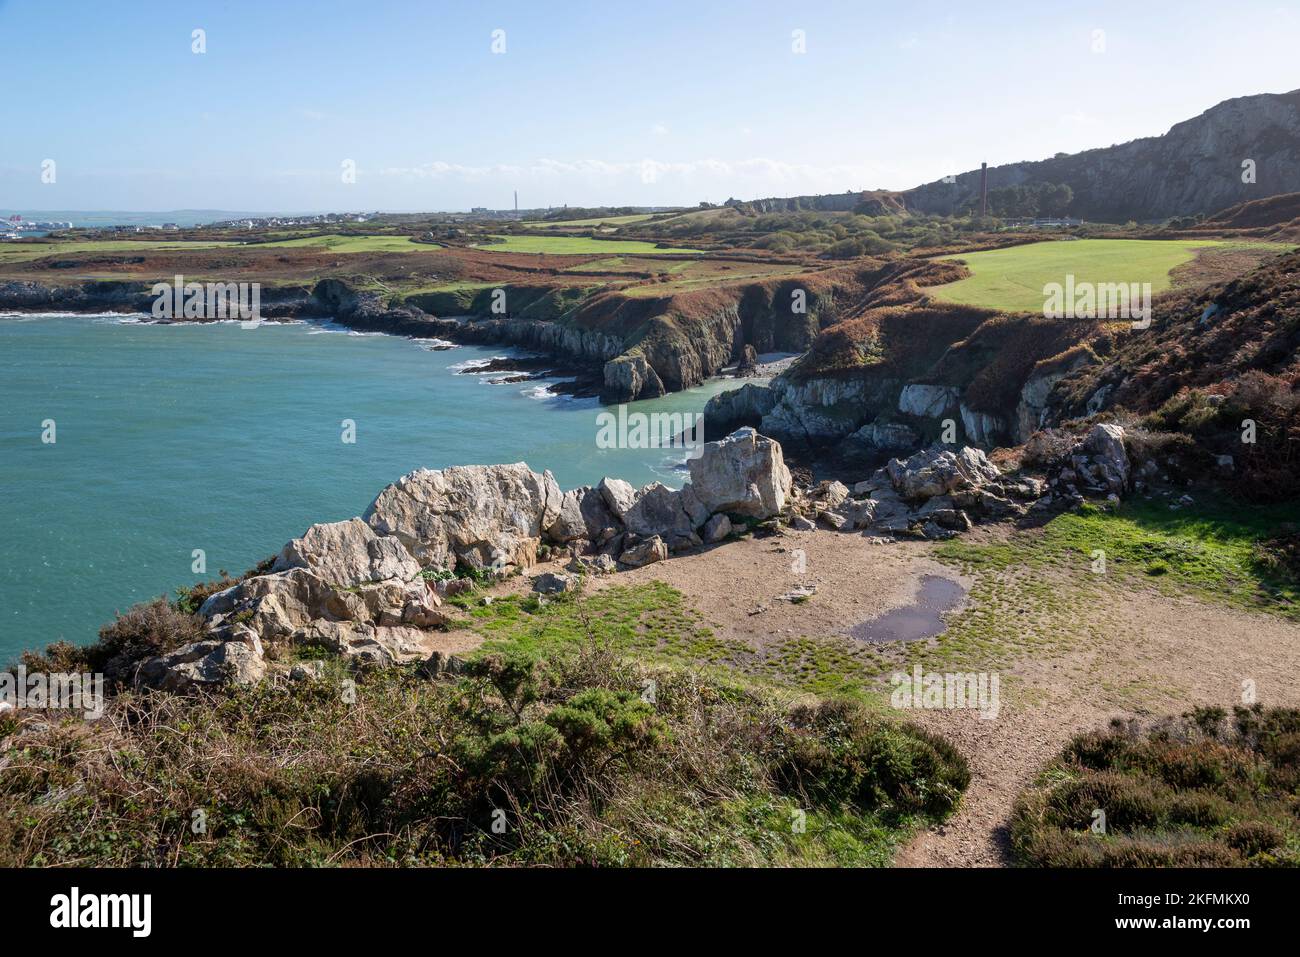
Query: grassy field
point(577, 246)
point(1013, 278)
point(357, 244)
point(21, 252)
point(605, 221)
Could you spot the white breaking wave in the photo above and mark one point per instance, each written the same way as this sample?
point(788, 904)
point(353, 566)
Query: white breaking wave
point(472, 365)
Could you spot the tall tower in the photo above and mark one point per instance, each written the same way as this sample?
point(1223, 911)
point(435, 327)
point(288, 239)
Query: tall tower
point(984, 190)
point(516, 201)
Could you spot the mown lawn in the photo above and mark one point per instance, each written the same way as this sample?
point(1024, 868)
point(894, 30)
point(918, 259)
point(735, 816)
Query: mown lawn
point(1012, 279)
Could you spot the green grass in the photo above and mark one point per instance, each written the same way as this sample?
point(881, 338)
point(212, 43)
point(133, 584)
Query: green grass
point(1012, 279)
point(21, 252)
point(357, 244)
point(1211, 550)
point(602, 221)
point(654, 623)
point(577, 246)
point(1029, 590)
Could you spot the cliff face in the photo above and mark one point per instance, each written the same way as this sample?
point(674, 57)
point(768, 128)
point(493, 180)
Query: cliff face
point(898, 377)
point(1194, 168)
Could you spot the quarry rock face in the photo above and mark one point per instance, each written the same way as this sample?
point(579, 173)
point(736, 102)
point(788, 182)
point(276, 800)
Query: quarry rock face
point(482, 516)
point(743, 474)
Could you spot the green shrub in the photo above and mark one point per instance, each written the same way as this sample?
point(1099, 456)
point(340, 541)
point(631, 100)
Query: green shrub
point(1198, 791)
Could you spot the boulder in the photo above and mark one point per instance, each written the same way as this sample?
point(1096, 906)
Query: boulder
point(1104, 447)
point(661, 511)
point(829, 494)
point(583, 514)
point(619, 496)
point(717, 528)
point(373, 645)
point(836, 521)
point(552, 583)
point(595, 565)
point(858, 514)
point(346, 554)
point(280, 603)
point(932, 472)
point(204, 663)
point(694, 508)
point(480, 516)
point(645, 553)
point(744, 474)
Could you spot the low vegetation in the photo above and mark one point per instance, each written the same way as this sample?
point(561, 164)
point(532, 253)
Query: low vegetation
point(1203, 790)
point(584, 758)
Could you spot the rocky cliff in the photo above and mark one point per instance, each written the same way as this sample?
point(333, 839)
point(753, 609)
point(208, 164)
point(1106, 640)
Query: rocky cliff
point(898, 377)
point(1197, 167)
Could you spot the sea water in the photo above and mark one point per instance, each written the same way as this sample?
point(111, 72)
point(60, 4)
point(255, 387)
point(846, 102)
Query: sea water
point(172, 439)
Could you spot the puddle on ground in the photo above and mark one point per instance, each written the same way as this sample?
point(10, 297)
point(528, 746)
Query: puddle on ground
point(921, 619)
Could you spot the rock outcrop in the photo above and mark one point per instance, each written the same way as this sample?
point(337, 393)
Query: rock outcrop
point(932, 472)
point(348, 553)
point(743, 474)
point(480, 516)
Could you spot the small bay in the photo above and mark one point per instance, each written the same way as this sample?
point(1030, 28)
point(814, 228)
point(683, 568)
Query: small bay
point(172, 438)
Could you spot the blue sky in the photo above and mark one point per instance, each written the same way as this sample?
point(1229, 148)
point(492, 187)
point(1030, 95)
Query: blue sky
point(591, 103)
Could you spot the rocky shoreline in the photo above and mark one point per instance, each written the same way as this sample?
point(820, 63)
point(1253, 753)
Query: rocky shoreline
point(372, 589)
point(617, 366)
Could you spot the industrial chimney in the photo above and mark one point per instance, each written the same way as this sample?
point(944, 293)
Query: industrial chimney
point(984, 190)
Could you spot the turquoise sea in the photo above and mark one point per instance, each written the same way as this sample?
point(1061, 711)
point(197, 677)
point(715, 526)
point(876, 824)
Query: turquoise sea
point(171, 438)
